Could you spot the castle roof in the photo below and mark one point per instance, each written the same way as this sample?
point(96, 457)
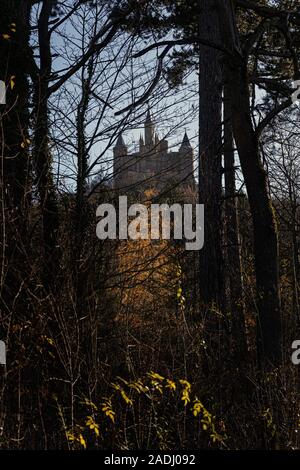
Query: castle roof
point(120, 141)
point(185, 144)
point(148, 117)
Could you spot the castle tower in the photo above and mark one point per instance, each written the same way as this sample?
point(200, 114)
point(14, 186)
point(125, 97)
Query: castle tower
point(120, 150)
point(185, 147)
point(149, 132)
point(186, 156)
point(141, 144)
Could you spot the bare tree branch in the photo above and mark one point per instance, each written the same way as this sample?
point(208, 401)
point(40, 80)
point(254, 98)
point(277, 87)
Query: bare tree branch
point(146, 95)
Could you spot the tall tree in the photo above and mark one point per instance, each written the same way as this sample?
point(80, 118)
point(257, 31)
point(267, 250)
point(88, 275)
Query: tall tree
point(264, 224)
point(210, 156)
point(233, 242)
point(15, 60)
point(42, 155)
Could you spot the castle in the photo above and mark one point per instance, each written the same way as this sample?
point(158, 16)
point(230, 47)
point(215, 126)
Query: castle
point(153, 165)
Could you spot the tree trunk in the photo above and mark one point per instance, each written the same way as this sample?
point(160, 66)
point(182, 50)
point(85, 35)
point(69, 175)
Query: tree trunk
point(16, 264)
point(210, 164)
point(42, 155)
point(14, 160)
point(234, 271)
point(81, 208)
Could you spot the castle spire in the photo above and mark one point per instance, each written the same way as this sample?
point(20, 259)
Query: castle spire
point(120, 141)
point(185, 144)
point(148, 117)
point(141, 142)
point(149, 131)
point(120, 148)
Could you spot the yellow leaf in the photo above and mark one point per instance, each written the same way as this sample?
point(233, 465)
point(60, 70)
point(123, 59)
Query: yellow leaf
point(12, 82)
point(6, 36)
point(155, 375)
point(89, 403)
point(107, 409)
point(70, 436)
point(127, 400)
point(24, 144)
point(92, 425)
point(82, 441)
point(171, 384)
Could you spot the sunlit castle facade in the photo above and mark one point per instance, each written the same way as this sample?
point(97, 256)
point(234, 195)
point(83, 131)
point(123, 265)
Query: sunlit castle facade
point(153, 165)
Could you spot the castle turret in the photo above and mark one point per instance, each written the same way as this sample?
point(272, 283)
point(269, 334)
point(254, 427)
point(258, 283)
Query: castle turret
point(149, 132)
point(119, 150)
point(141, 143)
point(186, 158)
point(185, 145)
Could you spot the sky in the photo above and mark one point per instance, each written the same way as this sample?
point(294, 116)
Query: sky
point(173, 111)
point(118, 80)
